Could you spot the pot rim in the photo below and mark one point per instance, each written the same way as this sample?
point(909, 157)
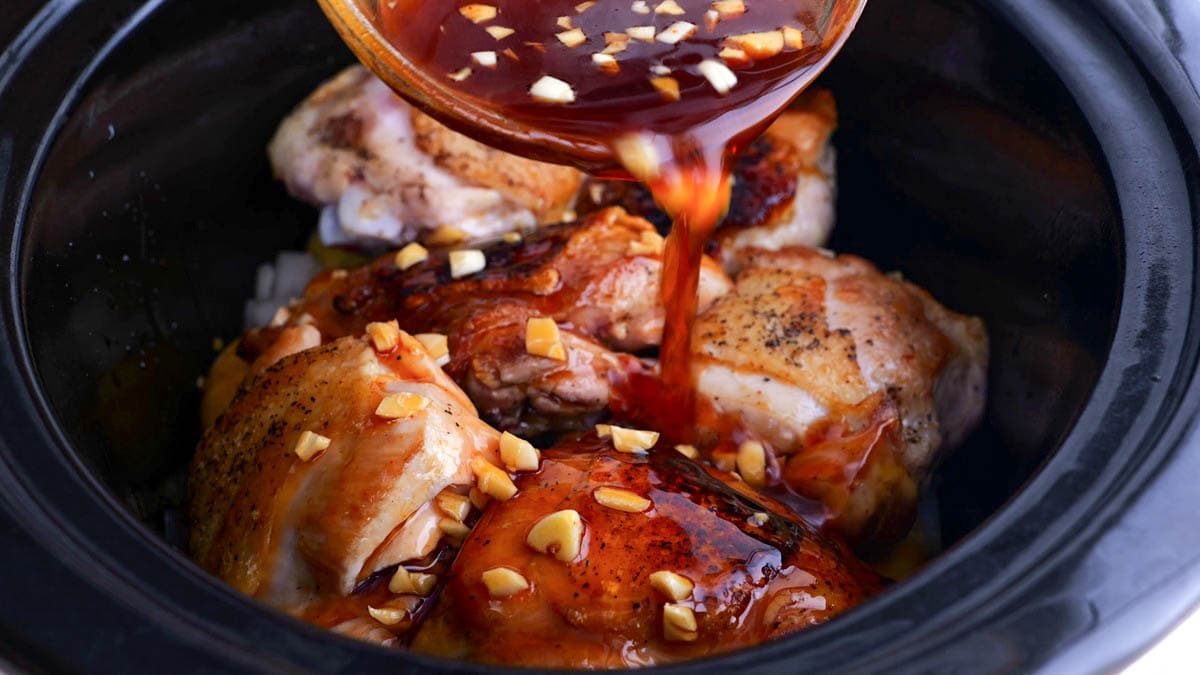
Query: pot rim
point(1141, 413)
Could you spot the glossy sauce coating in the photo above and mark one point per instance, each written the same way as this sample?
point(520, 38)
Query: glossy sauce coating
point(610, 101)
point(595, 278)
point(757, 574)
point(731, 68)
point(577, 273)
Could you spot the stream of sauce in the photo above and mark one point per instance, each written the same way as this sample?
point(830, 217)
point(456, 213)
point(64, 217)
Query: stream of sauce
point(664, 91)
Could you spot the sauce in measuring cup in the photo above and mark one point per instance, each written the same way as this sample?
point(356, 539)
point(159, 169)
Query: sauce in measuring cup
point(665, 91)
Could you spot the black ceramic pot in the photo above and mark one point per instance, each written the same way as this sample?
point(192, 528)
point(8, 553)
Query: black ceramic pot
point(1031, 161)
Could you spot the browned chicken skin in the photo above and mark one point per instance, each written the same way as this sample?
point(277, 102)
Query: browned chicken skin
point(291, 530)
point(597, 278)
point(783, 185)
point(589, 276)
point(386, 173)
point(856, 379)
point(757, 573)
point(849, 381)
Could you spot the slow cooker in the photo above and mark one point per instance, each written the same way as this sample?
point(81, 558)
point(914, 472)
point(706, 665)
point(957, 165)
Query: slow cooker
point(1031, 161)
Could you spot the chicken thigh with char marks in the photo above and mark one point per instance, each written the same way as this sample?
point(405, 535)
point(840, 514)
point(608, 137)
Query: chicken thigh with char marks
point(386, 174)
point(598, 279)
point(784, 186)
point(658, 559)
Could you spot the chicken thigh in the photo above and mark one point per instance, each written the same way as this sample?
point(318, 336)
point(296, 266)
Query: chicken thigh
point(856, 380)
point(329, 466)
point(598, 279)
point(605, 559)
point(386, 174)
point(784, 185)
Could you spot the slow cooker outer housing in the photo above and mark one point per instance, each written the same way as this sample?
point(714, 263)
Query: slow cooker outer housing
point(1094, 558)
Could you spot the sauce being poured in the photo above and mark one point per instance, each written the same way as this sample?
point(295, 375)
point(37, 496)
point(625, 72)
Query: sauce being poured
point(665, 91)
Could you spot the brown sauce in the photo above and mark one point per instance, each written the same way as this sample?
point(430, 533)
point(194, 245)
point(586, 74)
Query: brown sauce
point(666, 91)
point(747, 558)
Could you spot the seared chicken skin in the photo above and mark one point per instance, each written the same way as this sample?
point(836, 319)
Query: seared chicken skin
point(328, 467)
point(784, 186)
point(352, 472)
point(598, 279)
point(387, 174)
point(686, 563)
point(855, 379)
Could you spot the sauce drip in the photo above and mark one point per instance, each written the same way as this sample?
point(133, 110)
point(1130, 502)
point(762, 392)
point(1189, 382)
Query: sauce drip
point(665, 91)
point(696, 195)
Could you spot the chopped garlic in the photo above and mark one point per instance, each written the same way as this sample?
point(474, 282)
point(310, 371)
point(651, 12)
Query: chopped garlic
point(643, 33)
point(411, 255)
point(793, 38)
point(752, 462)
point(606, 62)
point(492, 480)
point(731, 54)
point(309, 444)
point(518, 454)
point(729, 8)
point(485, 59)
point(542, 338)
point(571, 38)
point(675, 586)
point(621, 500)
point(476, 13)
point(688, 451)
point(499, 32)
point(670, 8)
point(616, 42)
point(453, 505)
point(478, 498)
point(437, 345)
point(680, 30)
point(552, 90)
point(711, 19)
point(455, 529)
point(384, 336)
point(559, 534)
point(404, 582)
point(388, 616)
point(638, 155)
point(633, 441)
point(466, 262)
point(403, 404)
point(502, 582)
point(757, 45)
point(667, 86)
point(679, 623)
point(718, 75)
